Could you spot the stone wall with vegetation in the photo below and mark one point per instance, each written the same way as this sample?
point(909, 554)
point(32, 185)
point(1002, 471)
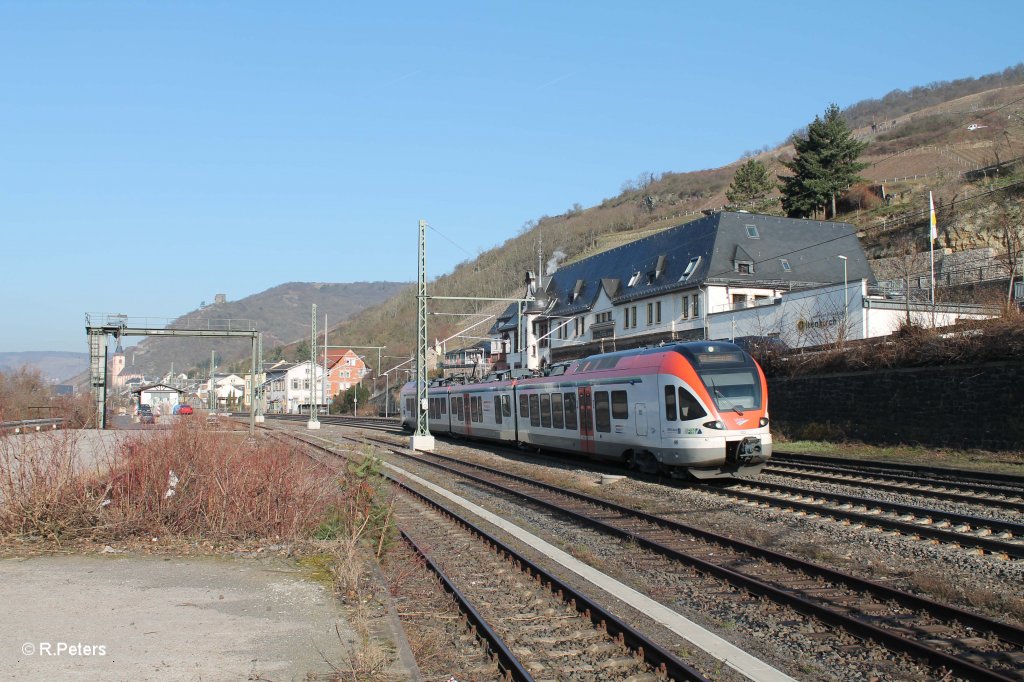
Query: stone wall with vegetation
point(980, 406)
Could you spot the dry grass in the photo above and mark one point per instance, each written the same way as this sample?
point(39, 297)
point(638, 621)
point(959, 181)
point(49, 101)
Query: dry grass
point(190, 482)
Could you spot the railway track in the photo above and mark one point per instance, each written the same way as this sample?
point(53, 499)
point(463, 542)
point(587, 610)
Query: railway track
point(1001, 497)
point(533, 625)
point(962, 479)
point(971, 645)
point(998, 537)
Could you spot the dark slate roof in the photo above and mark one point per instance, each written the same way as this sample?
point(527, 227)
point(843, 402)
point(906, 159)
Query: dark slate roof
point(656, 265)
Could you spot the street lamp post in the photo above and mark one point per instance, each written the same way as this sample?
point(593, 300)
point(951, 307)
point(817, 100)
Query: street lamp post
point(846, 300)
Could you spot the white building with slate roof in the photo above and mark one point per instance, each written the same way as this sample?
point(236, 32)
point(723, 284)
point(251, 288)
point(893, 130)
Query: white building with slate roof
point(725, 276)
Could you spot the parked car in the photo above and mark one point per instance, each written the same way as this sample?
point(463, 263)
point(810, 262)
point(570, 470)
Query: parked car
point(185, 409)
point(146, 415)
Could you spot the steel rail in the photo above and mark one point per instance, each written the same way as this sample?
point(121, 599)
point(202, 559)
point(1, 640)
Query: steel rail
point(506, 659)
point(943, 473)
point(847, 477)
point(653, 654)
point(1015, 529)
point(858, 627)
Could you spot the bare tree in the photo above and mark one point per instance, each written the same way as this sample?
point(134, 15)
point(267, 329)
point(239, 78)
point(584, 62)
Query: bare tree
point(907, 264)
point(1010, 225)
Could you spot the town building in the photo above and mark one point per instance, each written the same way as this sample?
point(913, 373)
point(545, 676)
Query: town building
point(728, 275)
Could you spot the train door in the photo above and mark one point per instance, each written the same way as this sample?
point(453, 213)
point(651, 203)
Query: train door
point(641, 419)
point(586, 420)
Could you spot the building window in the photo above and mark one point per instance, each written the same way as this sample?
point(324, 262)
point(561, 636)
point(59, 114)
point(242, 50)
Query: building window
point(785, 265)
point(686, 307)
point(650, 314)
point(691, 267)
point(696, 305)
point(634, 279)
point(752, 232)
point(657, 312)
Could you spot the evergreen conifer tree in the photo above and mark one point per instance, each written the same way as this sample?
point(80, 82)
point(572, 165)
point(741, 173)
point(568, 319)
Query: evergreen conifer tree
point(750, 186)
point(824, 167)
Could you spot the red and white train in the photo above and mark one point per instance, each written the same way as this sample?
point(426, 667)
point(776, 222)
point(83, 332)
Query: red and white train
point(697, 409)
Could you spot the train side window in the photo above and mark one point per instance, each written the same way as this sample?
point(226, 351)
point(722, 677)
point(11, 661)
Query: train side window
point(670, 404)
point(476, 404)
point(545, 411)
point(570, 411)
point(443, 404)
point(620, 406)
point(689, 408)
point(557, 417)
point(497, 409)
point(602, 416)
point(462, 412)
point(506, 405)
point(534, 410)
point(524, 406)
point(432, 408)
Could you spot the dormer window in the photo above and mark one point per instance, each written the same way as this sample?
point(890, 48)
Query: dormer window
point(742, 262)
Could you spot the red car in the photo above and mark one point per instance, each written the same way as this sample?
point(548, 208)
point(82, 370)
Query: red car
point(185, 409)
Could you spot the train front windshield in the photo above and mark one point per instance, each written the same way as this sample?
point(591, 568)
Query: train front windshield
point(730, 377)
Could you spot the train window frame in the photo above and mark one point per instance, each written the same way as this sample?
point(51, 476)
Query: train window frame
point(476, 409)
point(524, 405)
point(686, 401)
point(569, 401)
point(620, 405)
point(534, 410)
point(671, 411)
point(497, 409)
point(602, 412)
point(506, 405)
point(557, 412)
point(545, 410)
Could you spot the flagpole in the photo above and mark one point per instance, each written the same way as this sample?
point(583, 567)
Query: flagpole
point(932, 235)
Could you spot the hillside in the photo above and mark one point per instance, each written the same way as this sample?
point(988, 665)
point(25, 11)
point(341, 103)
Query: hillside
point(919, 141)
point(54, 366)
point(281, 313)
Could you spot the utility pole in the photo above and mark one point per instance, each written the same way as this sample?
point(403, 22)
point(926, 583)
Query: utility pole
point(323, 385)
point(259, 418)
point(212, 394)
point(313, 422)
point(421, 438)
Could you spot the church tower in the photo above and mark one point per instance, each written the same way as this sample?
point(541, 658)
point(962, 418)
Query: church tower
point(116, 365)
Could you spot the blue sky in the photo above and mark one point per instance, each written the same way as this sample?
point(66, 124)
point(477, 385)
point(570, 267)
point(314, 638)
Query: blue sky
point(153, 154)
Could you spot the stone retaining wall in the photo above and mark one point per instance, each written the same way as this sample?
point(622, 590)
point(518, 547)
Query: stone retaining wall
point(955, 406)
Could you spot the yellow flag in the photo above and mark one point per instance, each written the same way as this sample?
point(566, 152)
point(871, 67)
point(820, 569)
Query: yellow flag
point(931, 218)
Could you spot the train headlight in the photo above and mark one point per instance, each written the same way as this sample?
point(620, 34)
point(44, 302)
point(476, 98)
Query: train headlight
point(763, 421)
point(715, 425)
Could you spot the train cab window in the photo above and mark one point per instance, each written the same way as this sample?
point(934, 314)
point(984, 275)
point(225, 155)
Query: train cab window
point(524, 406)
point(570, 411)
point(670, 404)
point(620, 406)
point(534, 410)
point(602, 415)
point(497, 408)
point(506, 405)
point(557, 417)
point(689, 408)
point(545, 411)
